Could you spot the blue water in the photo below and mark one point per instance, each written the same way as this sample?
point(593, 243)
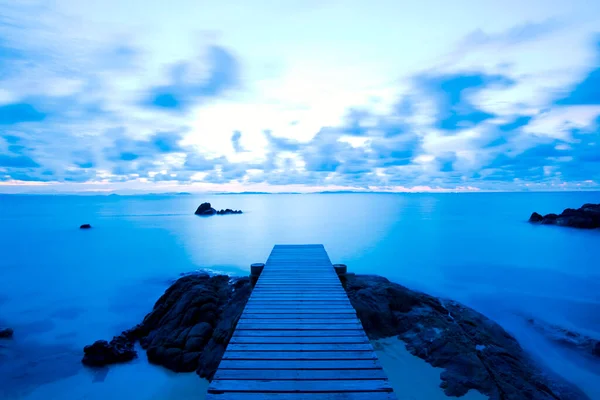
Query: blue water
point(62, 288)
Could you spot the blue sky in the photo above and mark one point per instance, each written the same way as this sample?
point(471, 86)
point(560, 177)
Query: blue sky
point(299, 95)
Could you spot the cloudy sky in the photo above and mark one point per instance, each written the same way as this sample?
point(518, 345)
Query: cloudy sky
point(299, 95)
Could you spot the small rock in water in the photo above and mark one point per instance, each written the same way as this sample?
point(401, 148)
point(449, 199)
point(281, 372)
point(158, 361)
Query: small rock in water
point(206, 209)
point(6, 333)
point(102, 353)
point(85, 226)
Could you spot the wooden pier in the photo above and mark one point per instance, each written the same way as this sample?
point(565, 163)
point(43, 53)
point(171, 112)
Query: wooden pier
point(299, 337)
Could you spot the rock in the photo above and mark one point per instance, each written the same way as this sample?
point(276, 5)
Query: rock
point(85, 226)
point(568, 338)
point(205, 209)
point(475, 352)
point(189, 326)
point(586, 217)
point(101, 353)
point(229, 211)
point(6, 333)
point(535, 217)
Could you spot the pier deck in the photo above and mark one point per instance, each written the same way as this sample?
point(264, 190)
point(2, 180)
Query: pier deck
point(299, 337)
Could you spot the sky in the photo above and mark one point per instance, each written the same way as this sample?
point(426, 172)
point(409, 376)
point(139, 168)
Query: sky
point(299, 95)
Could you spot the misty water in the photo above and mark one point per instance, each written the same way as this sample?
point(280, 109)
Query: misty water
point(62, 288)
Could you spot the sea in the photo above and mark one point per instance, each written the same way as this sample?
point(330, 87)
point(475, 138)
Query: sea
point(62, 288)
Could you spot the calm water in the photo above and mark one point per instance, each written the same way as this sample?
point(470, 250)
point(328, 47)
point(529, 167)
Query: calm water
point(62, 288)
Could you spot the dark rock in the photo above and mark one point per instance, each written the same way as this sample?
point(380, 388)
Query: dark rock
point(101, 353)
point(586, 217)
point(6, 333)
point(191, 323)
point(535, 217)
point(574, 340)
point(475, 352)
point(85, 226)
point(205, 209)
point(596, 350)
point(229, 211)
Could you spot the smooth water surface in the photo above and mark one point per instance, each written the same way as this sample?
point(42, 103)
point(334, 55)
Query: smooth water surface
point(62, 288)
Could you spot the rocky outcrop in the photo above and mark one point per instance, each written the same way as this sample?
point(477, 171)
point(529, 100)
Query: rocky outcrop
point(6, 333)
point(193, 321)
point(85, 226)
point(586, 217)
point(568, 338)
point(207, 210)
point(188, 328)
point(475, 352)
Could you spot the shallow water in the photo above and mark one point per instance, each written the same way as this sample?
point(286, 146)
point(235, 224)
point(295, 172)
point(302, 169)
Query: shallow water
point(62, 288)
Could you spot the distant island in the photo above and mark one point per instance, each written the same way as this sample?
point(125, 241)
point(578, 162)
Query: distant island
point(205, 209)
point(585, 217)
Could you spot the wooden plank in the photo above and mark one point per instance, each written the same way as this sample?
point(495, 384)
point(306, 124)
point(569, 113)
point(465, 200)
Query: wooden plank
point(298, 326)
point(297, 315)
point(312, 321)
point(298, 302)
point(299, 333)
point(293, 386)
point(299, 340)
point(299, 355)
point(300, 364)
point(298, 374)
point(311, 310)
point(302, 396)
point(300, 347)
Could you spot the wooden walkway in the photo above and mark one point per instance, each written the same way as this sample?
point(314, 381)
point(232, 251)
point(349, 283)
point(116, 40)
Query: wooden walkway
point(299, 337)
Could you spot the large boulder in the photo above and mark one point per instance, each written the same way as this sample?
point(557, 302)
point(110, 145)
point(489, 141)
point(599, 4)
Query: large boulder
point(475, 352)
point(205, 209)
point(586, 217)
point(188, 328)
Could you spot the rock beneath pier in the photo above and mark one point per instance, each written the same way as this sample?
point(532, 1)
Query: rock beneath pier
point(119, 349)
point(193, 321)
point(206, 209)
point(85, 226)
point(189, 327)
point(586, 217)
point(6, 333)
point(475, 352)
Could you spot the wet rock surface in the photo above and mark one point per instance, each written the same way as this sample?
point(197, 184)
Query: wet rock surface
point(475, 352)
point(188, 328)
point(585, 217)
point(574, 340)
